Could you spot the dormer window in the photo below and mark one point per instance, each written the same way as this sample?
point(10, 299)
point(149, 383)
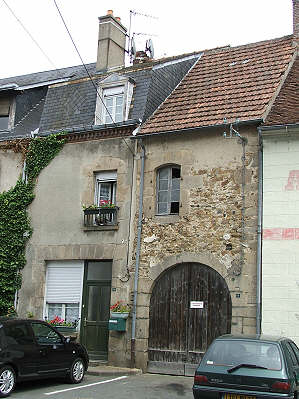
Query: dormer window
point(116, 93)
point(4, 113)
point(114, 102)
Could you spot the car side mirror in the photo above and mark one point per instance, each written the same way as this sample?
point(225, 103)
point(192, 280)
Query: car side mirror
point(70, 339)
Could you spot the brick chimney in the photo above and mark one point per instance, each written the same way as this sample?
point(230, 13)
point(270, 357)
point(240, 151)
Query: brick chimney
point(296, 20)
point(111, 42)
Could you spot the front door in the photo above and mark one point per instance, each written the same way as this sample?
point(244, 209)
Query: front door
point(190, 306)
point(96, 308)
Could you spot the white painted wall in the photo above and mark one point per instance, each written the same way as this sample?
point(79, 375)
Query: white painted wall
point(280, 255)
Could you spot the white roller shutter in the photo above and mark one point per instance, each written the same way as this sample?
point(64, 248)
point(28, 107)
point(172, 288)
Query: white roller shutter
point(64, 282)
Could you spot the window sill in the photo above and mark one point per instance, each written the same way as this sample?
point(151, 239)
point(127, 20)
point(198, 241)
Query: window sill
point(166, 219)
point(101, 228)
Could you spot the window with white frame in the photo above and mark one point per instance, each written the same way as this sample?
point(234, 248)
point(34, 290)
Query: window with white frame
point(113, 102)
point(4, 113)
point(105, 191)
point(168, 190)
point(114, 105)
point(63, 290)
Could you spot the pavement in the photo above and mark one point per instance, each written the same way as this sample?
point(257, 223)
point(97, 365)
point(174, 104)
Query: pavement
point(104, 370)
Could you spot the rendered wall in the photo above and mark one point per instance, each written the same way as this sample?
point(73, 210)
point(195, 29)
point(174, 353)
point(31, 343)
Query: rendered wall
point(280, 284)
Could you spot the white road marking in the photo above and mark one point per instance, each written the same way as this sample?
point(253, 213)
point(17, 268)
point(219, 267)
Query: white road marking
point(85, 386)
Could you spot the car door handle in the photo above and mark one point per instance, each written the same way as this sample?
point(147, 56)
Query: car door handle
point(43, 352)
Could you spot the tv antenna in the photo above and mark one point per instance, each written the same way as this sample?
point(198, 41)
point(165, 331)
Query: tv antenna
point(132, 46)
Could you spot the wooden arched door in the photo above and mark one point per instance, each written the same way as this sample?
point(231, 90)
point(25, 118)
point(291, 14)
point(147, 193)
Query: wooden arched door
point(179, 334)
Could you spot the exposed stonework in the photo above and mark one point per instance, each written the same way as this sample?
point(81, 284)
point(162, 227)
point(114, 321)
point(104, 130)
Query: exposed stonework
point(208, 228)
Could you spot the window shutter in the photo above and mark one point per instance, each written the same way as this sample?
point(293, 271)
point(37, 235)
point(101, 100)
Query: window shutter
point(64, 282)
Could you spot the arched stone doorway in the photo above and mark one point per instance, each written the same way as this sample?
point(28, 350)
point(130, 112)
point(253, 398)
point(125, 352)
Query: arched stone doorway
point(178, 333)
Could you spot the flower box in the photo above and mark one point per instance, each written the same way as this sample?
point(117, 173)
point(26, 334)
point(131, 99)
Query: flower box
point(119, 315)
point(91, 211)
point(105, 211)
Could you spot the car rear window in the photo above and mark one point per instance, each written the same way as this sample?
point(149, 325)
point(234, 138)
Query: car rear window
point(233, 353)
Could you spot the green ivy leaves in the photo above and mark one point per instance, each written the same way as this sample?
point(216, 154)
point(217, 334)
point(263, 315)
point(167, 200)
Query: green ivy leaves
point(15, 229)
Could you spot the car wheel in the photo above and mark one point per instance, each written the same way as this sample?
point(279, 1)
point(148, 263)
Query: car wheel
point(7, 381)
point(77, 371)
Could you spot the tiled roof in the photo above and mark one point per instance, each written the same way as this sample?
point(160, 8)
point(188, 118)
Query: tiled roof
point(225, 84)
point(285, 109)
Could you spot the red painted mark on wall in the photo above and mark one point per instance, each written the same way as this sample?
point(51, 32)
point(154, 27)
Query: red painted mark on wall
point(281, 234)
point(293, 181)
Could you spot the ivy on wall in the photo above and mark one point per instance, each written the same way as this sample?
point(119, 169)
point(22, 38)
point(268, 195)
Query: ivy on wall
point(15, 228)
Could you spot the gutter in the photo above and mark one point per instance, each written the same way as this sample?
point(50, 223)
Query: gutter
point(139, 230)
point(217, 125)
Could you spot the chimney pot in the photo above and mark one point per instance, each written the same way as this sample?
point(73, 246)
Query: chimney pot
point(110, 12)
point(117, 19)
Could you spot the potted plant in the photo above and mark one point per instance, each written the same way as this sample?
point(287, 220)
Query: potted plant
point(120, 310)
point(62, 325)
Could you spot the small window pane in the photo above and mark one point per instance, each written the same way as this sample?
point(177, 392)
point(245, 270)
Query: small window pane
point(118, 117)
point(176, 173)
point(109, 102)
point(162, 208)
point(174, 208)
point(99, 271)
point(163, 185)
point(3, 122)
point(72, 312)
point(119, 101)
point(164, 173)
point(162, 196)
point(175, 184)
point(175, 196)
point(54, 309)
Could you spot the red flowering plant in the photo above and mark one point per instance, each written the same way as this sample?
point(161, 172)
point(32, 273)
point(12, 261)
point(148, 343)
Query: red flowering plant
point(58, 321)
point(106, 204)
point(120, 307)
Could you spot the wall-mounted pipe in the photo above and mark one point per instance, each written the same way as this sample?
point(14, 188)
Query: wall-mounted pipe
point(139, 230)
point(259, 237)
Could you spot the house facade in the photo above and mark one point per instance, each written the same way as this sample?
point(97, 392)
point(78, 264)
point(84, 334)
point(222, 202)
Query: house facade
point(153, 199)
point(200, 233)
point(78, 257)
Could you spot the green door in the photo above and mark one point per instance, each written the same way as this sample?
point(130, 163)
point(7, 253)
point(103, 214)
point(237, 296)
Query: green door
point(96, 308)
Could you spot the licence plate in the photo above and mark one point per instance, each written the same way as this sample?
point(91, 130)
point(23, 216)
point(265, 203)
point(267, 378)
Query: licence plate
point(234, 396)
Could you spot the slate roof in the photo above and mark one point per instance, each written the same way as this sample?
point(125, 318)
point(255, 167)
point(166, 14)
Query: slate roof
point(72, 103)
point(285, 109)
point(225, 84)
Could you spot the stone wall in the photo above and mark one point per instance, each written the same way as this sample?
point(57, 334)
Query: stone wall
point(208, 227)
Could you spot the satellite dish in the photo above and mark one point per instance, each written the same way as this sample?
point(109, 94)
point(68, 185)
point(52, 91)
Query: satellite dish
point(133, 49)
point(150, 48)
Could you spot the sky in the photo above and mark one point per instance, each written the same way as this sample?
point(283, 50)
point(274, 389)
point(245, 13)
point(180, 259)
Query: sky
point(175, 27)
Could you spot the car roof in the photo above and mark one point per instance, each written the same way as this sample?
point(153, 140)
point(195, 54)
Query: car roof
point(13, 320)
point(253, 337)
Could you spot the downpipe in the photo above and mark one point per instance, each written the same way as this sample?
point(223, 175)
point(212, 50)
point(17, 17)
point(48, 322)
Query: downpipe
point(136, 277)
point(259, 236)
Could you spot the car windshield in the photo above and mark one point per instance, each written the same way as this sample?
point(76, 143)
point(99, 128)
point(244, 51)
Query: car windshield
point(234, 353)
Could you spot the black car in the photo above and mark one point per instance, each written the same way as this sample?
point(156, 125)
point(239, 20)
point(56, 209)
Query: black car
point(32, 349)
point(248, 367)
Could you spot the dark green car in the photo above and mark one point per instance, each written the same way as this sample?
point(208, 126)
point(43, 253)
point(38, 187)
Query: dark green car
point(248, 367)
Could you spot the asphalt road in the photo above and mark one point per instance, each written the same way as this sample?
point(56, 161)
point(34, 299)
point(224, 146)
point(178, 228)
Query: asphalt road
point(146, 386)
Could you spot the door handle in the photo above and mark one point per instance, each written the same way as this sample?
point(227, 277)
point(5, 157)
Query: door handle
point(85, 320)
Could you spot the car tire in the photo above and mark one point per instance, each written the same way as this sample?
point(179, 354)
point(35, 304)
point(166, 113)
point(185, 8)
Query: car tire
point(7, 381)
point(77, 371)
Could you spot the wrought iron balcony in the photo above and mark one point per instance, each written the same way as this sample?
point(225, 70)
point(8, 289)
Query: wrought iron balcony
point(103, 216)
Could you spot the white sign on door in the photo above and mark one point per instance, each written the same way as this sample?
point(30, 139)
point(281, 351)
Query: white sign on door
point(196, 305)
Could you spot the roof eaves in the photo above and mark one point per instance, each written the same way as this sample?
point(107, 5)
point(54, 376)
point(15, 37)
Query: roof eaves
point(192, 129)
